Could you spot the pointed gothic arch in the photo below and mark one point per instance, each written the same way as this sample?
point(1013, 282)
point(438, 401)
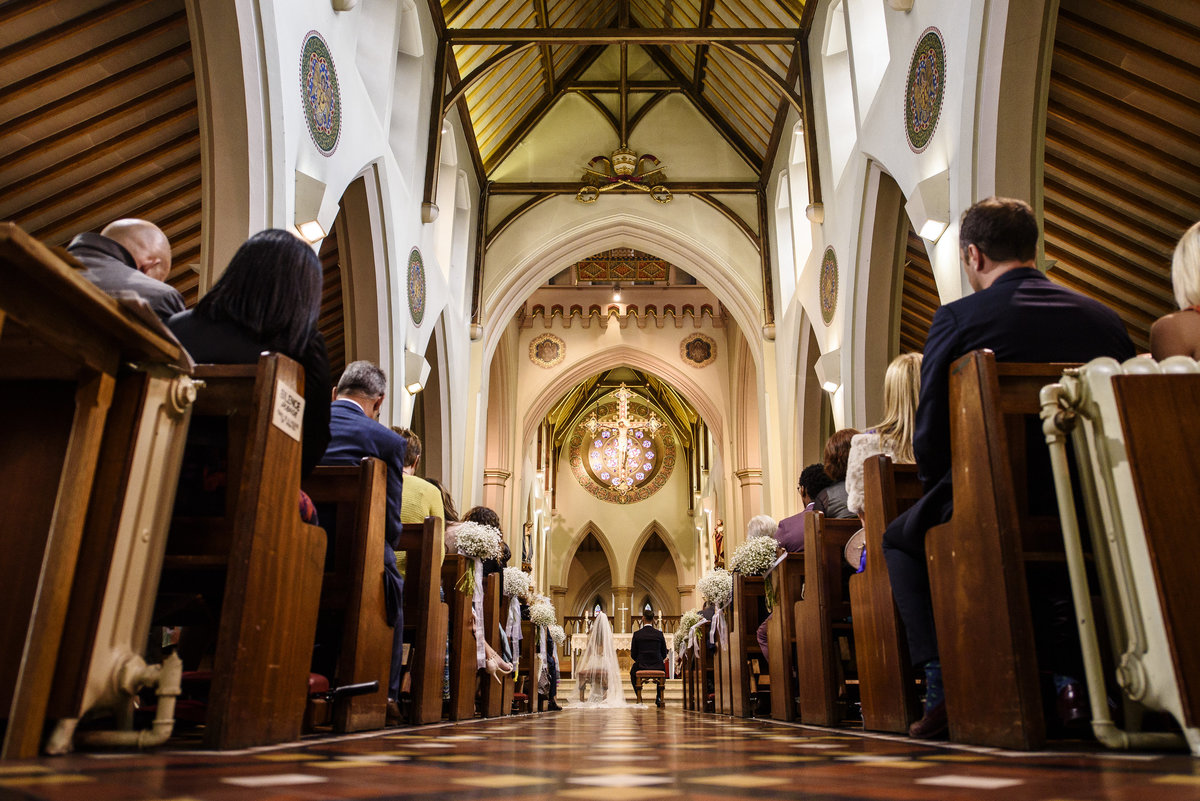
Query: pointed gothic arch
point(636, 551)
point(569, 555)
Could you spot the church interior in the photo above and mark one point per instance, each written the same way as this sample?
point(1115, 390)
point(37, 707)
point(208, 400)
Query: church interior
point(627, 266)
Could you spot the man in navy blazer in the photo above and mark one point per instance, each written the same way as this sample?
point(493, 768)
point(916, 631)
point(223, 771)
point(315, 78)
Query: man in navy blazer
point(1022, 316)
point(353, 434)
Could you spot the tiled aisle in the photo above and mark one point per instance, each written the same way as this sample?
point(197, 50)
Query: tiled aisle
point(639, 754)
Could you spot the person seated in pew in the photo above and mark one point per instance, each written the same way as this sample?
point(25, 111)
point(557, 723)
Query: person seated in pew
point(832, 500)
point(356, 433)
point(1178, 333)
point(813, 479)
point(787, 538)
point(130, 256)
point(267, 299)
point(648, 647)
point(484, 516)
point(420, 499)
point(1022, 316)
point(449, 509)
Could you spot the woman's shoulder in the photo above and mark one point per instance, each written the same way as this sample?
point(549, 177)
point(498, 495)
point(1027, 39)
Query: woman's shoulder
point(1176, 334)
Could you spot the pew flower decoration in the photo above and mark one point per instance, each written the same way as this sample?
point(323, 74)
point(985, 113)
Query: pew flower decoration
point(517, 583)
point(558, 634)
point(688, 619)
point(541, 612)
point(683, 637)
point(716, 588)
point(754, 557)
point(478, 542)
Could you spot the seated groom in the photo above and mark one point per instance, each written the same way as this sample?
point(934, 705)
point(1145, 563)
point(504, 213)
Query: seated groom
point(649, 650)
point(353, 434)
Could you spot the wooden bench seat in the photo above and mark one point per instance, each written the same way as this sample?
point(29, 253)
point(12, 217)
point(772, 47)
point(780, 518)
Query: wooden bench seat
point(463, 667)
point(746, 611)
point(424, 617)
point(788, 580)
point(886, 680)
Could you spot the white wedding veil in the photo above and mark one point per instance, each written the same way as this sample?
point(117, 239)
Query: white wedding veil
point(598, 675)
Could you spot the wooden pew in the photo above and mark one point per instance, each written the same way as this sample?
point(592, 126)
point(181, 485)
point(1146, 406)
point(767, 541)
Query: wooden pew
point(527, 668)
point(885, 676)
point(510, 681)
point(821, 617)
point(352, 505)
point(62, 344)
point(722, 703)
point(252, 551)
point(788, 578)
point(977, 560)
point(491, 701)
point(424, 617)
point(706, 673)
point(463, 670)
point(745, 615)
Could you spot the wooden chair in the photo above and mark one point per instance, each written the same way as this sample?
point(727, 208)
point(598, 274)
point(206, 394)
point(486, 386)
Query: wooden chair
point(463, 668)
point(62, 342)
point(352, 504)
point(977, 561)
point(658, 677)
point(745, 614)
point(491, 699)
point(252, 551)
point(424, 617)
point(821, 618)
point(788, 578)
point(885, 676)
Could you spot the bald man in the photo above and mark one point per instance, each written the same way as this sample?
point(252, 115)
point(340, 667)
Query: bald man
point(131, 256)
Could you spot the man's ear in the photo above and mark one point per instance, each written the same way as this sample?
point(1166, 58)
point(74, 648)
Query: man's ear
point(377, 405)
point(333, 394)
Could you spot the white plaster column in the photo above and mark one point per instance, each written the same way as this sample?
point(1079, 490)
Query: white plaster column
point(495, 489)
point(559, 596)
point(687, 598)
point(750, 482)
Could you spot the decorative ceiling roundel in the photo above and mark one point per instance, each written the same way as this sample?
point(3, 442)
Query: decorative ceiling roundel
point(322, 98)
point(416, 286)
point(698, 350)
point(924, 90)
point(622, 455)
point(829, 285)
point(547, 350)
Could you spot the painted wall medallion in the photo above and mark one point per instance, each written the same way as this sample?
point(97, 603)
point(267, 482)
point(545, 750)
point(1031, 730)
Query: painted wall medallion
point(547, 350)
point(322, 98)
point(416, 286)
point(698, 350)
point(622, 452)
point(829, 285)
point(925, 89)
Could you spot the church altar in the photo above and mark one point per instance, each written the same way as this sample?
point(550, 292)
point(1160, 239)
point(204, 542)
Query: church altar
point(622, 642)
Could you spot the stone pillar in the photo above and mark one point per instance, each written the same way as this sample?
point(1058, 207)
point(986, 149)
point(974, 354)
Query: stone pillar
point(559, 596)
point(686, 598)
point(495, 487)
point(623, 597)
point(750, 481)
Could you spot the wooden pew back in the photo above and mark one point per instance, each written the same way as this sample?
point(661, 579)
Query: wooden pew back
point(885, 675)
point(977, 560)
point(492, 696)
point(788, 578)
point(820, 617)
point(352, 505)
point(462, 639)
point(424, 617)
point(269, 563)
point(745, 614)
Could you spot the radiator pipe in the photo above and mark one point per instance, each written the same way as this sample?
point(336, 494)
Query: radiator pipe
point(133, 675)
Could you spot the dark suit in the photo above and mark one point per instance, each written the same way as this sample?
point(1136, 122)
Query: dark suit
point(111, 267)
point(353, 435)
point(648, 648)
point(1022, 317)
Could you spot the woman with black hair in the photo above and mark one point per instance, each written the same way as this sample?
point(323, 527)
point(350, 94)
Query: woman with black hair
point(267, 299)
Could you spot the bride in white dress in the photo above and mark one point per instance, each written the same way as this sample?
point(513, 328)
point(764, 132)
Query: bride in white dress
point(598, 676)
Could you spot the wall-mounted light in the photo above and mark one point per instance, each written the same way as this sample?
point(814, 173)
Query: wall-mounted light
point(616, 293)
point(416, 372)
point(829, 371)
point(310, 194)
point(929, 206)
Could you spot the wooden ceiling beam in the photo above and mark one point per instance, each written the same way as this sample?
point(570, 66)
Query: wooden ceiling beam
point(706, 14)
point(603, 109)
point(608, 36)
point(543, 22)
point(615, 86)
point(781, 115)
point(731, 136)
point(571, 187)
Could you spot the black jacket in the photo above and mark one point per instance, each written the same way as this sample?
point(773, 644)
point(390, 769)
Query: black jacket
point(111, 267)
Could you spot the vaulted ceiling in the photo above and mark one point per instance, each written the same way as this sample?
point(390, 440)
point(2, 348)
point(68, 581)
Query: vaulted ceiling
point(736, 61)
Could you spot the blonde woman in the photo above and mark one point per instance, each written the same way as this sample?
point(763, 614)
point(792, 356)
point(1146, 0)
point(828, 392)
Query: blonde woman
point(893, 436)
point(1178, 334)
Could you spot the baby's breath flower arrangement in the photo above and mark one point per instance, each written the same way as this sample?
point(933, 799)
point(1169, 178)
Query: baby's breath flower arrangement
point(517, 583)
point(478, 542)
point(541, 612)
point(754, 557)
point(716, 587)
point(688, 619)
point(557, 632)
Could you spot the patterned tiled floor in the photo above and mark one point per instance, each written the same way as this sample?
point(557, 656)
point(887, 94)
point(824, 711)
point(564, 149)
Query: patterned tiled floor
point(642, 754)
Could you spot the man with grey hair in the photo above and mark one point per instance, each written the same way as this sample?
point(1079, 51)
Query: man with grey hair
point(354, 432)
point(130, 256)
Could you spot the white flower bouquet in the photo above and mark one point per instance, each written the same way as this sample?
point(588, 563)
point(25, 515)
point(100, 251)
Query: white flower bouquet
point(557, 633)
point(687, 620)
point(541, 612)
point(717, 587)
point(754, 557)
point(478, 542)
point(517, 583)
